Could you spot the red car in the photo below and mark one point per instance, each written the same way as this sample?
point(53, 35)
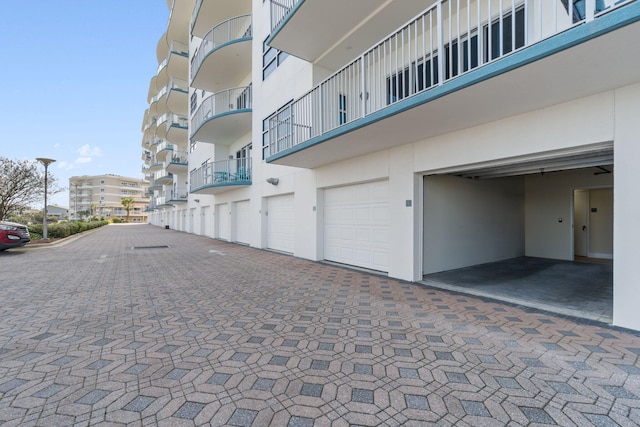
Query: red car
point(13, 235)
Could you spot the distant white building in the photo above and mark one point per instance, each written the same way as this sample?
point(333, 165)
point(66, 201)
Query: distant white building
point(58, 212)
point(102, 195)
point(407, 137)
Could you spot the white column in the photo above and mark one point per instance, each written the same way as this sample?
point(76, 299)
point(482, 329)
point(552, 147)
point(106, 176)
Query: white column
point(626, 207)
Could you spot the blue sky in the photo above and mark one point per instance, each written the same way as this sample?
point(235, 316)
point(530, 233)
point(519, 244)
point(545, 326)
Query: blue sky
point(74, 79)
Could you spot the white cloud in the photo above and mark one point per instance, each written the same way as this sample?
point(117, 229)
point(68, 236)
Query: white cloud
point(88, 151)
point(65, 165)
point(56, 145)
point(83, 160)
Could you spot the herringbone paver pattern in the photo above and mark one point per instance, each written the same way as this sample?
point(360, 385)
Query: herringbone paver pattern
point(203, 332)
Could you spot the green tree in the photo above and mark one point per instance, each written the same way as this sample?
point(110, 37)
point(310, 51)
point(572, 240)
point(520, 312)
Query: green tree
point(128, 204)
point(22, 184)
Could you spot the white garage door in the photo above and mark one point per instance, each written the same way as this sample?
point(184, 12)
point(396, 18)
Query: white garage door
point(280, 223)
point(242, 218)
point(356, 225)
point(222, 221)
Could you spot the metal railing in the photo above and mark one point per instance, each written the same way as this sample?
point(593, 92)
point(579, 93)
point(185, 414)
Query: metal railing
point(279, 10)
point(173, 119)
point(175, 48)
point(179, 157)
point(164, 145)
point(221, 102)
point(221, 172)
point(196, 10)
point(235, 28)
point(447, 40)
point(176, 193)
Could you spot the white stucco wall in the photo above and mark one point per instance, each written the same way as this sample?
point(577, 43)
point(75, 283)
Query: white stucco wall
point(626, 233)
point(549, 199)
point(470, 222)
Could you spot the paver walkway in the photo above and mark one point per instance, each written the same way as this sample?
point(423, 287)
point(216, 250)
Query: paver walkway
point(202, 332)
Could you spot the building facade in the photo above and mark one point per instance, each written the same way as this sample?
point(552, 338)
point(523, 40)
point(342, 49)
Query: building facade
point(101, 195)
point(407, 137)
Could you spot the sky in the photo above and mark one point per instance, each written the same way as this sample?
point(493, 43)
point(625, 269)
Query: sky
point(74, 78)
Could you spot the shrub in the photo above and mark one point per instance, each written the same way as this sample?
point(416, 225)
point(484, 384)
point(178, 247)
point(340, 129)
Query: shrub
point(116, 220)
point(65, 229)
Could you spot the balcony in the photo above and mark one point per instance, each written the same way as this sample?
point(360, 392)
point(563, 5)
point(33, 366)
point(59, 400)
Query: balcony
point(172, 98)
point(178, 162)
point(173, 128)
point(223, 59)
point(163, 148)
point(300, 27)
point(163, 177)
point(174, 65)
point(223, 117)
point(156, 165)
point(176, 195)
point(208, 13)
point(219, 176)
point(448, 69)
point(179, 19)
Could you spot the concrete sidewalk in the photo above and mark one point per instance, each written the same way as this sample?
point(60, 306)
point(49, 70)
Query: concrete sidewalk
point(138, 325)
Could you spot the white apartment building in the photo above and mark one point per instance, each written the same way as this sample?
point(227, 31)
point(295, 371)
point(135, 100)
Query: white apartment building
point(102, 195)
point(403, 136)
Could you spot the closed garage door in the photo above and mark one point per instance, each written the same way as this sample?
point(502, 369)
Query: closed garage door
point(222, 221)
point(356, 225)
point(242, 221)
point(280, 223)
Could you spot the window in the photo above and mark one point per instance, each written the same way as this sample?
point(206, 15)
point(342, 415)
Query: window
point(277, 131)
point(342, 109)
point(194, 101)
point(243, 101)
point(271, 59)
point(504, 33)
point(500, 37)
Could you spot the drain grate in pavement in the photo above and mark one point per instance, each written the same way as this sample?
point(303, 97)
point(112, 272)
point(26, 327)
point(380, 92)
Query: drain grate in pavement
point(150, 247)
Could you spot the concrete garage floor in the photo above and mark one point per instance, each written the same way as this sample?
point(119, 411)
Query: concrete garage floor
point(581, 289)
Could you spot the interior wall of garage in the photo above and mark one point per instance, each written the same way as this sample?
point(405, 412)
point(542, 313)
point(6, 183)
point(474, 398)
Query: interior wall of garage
point(469, 222)
point(549, 210)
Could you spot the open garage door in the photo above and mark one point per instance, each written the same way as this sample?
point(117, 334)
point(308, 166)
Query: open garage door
point(508, 208)
point(356, 225)
point(516, 211)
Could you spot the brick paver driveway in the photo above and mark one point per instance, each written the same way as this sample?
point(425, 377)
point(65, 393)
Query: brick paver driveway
point(205, 332)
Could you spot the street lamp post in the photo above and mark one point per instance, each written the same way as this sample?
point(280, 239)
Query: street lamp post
point(46, 163)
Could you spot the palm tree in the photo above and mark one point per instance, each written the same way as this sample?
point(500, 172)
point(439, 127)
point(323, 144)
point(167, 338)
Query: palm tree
point(128, 203)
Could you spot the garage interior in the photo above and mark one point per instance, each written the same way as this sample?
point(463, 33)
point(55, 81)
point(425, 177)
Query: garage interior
point(536, 232)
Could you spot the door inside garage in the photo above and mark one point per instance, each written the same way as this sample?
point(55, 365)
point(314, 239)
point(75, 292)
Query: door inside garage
point(511, 229)
point(242, 220)
point(356, 225)
point(281, 223)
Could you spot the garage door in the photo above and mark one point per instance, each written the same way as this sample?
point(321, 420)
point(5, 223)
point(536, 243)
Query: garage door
point(242, 220)
point(356, 225)
point(222, 221)
point(280, 223)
